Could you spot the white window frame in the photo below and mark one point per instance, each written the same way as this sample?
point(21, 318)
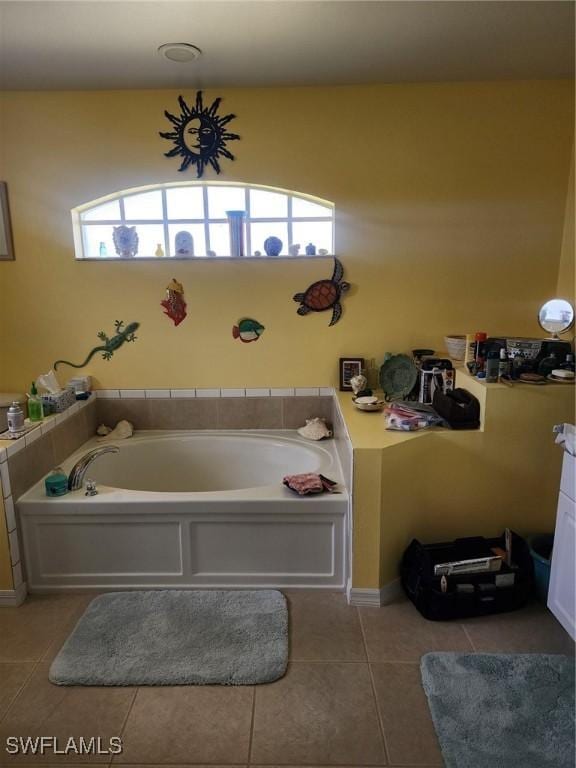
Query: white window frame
point(79, 224)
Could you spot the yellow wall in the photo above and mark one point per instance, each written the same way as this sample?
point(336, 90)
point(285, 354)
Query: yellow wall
point(566, 287)
point(450, 203)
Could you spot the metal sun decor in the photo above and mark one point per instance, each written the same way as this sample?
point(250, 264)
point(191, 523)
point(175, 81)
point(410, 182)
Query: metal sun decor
point(199, 135)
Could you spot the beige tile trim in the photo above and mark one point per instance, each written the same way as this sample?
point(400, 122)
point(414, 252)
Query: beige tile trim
point(153, 394)
point(12, 598)
point(374, 598)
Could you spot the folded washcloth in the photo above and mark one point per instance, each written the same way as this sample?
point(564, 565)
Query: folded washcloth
point(309, 482)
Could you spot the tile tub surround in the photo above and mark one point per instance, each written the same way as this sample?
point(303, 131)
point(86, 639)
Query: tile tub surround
point(23, 462)
point(215, 412)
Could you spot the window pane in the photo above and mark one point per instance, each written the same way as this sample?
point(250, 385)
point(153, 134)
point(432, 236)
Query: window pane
point(198, 238)
point(259, 232)
point(268, 205)
point(98, 242)
point(149, 237)
point(145, 206)
point(222, 199)
point(317, 232)
point(185, 203)
point(307, 209)
point(220, 239)
point(105, 212)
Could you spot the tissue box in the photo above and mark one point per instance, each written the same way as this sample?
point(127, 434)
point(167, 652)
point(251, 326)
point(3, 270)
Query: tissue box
point(59, 401)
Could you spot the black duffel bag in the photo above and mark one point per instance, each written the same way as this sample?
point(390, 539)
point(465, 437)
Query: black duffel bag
point(459, 408)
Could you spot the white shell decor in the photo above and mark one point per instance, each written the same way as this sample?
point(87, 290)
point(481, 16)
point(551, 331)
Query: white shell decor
point(358, 383)
point(121, 431)
point(103, 430)
point(315, 429)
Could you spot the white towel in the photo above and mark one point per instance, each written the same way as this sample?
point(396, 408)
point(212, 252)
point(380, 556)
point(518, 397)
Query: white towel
point(566, 436)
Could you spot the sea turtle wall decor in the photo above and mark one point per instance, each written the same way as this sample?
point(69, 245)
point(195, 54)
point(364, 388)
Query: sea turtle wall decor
point(324, 294)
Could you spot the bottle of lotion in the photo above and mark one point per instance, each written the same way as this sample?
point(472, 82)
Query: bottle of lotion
point(35, 409)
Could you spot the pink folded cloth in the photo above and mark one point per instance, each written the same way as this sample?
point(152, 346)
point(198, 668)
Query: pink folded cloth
point(309, 482)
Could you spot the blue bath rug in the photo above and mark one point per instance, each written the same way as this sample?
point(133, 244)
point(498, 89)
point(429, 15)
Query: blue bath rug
point(502, 711)
point(177, 637)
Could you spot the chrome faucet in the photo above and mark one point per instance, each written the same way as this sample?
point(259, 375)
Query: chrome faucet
point(78, 471)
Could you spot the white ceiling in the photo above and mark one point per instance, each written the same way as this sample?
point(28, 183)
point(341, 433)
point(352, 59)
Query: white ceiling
point(77, 44)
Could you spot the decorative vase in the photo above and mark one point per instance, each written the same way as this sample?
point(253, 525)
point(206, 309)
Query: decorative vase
point(125, 241)
point(236, 225)
point(273, 246)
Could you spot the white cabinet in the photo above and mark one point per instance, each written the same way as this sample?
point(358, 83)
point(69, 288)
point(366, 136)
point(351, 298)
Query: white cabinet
point(562, 592)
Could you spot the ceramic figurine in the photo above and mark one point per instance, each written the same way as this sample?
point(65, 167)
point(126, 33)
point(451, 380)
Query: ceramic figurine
point(248, 330)
point(273, 246)
point(315, 429)
point(324, 294)
point(257, 253)
point(212, 254)
point(125, 241)
point(159, 250)
point(294, 249)
point(174, 303)
point(310, 249)
point(184, 244)
point(122, 431)
point(358, 383)
point(322, 252)
point(110, 345)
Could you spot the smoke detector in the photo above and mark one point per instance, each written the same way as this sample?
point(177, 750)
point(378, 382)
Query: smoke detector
point(179, 52)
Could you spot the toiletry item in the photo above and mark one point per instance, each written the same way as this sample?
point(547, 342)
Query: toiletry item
point(508, 546)
point(444, 584)
point(503, 366)
point(474, 565)
point(548, 364)
point(492, 366)
point(35, 410)
point(56, 484)
point(568, 365)
point(480, 350)
point(470, 350)
point(159, 250)
point(15, 419)
point(58, 402)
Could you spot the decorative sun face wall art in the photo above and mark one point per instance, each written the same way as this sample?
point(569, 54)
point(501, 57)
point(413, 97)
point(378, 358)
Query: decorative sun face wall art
point(199, 135)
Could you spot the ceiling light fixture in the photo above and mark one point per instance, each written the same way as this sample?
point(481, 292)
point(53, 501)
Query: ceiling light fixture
point(179, 52)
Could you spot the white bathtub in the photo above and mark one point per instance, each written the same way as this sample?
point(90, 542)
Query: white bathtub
point(190, 509)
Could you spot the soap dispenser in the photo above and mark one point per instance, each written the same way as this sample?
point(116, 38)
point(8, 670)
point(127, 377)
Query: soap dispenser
point(35, 409)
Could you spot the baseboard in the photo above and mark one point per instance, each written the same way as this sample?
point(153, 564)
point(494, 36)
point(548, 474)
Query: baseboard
point(12, 598)
point(374, 598)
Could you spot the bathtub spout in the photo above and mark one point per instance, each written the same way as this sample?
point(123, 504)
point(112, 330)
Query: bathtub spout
point(78, 471)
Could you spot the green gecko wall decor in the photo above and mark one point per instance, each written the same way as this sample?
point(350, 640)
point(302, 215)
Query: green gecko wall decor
point(109, 346)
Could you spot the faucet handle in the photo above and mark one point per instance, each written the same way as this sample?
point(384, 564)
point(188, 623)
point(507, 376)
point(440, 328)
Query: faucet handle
point(91, 488)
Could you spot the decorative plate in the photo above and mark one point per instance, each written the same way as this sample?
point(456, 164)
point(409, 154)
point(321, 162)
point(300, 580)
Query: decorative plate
point(398, 375)
point(368, 403)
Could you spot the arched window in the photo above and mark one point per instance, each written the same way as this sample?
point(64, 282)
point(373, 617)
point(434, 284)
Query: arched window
point(191, 220)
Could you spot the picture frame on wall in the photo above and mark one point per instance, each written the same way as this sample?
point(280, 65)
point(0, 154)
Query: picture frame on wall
point(6, 242)
point(349, 367)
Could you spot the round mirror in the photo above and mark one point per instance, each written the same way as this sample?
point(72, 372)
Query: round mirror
point(556, 316)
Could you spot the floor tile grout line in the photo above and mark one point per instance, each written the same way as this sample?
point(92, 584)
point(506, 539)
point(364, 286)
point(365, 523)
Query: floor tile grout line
point(124, 723)
point(21, 688)
point(373, 686)
point(469, 638)
point(251, 740)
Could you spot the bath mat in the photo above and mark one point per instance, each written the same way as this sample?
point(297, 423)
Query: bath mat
point(177, 637)
point(499, 711)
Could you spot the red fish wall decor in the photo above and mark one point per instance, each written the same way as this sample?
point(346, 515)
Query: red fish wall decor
point(174, 303)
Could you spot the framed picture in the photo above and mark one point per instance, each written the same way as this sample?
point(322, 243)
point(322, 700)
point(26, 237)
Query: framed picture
point(349, 367)
point(6, 245)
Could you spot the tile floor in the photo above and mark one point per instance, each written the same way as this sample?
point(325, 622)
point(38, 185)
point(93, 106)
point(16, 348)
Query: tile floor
point(352, 695)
